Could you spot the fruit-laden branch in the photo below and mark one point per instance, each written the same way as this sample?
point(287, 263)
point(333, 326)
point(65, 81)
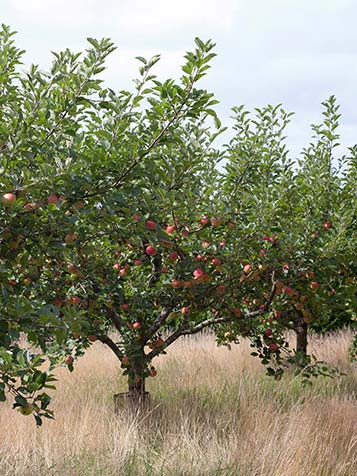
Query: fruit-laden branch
point(185, 330)
point(111, 344)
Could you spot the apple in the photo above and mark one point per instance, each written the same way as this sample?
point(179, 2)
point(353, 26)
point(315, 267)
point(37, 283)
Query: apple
point(237, 312)
point(205, 243)
point(187, 284)
point(288, 291)
point(185, 310)
point(222, 244)
point(273, 346)
point(327, 225)
point(176, 283)
point(151, 225)
point(79, 205)
point(136, 217)
point(153, 372)
point(215, 221)
point(150, 250)
point(173, 255)
point(216, 261)
point(117, 267)
point(68, 360)
point(221, 289)
point(199, 273)
point(8, 198)
point(70, 237)
point(170, 229)
point(57, 302)
point(268, 332)
point(92, 338)
point(138, 262)
point(125, 360)
point(124, 307)
point(123, 271)
point(136, 325)
point(314, 285)
point(314, 235)
point(30, 206)
point(166, 243)
point(52, 198)
point(185, 232)
point(247, 268)
point(199, 258)
point(26, 409)
point(204, 220)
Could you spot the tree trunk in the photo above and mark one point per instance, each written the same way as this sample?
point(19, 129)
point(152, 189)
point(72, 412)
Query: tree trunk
point(301, 338)
point(136, 398)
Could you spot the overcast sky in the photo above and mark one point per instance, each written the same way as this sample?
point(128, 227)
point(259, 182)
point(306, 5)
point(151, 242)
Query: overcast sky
point(295, 52)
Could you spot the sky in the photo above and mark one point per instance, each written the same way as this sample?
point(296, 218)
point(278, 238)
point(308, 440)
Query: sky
point(294, 52)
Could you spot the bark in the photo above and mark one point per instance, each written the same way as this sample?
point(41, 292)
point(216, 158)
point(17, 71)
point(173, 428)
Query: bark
point(301, 337)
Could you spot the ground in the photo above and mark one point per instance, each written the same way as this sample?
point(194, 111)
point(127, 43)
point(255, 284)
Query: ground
point(214, 413)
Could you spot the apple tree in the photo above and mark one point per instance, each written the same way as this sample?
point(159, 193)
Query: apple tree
point(111, 219)
point(306, 211)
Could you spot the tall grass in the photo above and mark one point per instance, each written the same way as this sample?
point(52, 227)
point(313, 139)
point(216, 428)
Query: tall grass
point(214, 412)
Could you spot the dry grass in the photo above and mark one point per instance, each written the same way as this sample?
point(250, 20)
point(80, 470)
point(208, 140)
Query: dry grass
point(215, 413)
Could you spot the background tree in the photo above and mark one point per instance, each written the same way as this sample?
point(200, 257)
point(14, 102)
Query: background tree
point(307, 212)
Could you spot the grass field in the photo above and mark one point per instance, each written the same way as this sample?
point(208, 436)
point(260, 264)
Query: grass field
point(214, 413)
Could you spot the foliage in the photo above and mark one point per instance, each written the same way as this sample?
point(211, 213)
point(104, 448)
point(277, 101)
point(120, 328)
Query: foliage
point(114, 214)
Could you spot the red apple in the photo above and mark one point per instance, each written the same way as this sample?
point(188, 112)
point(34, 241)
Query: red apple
point(153, 372)
point(151, 224)
point(215, 221)
point(92, 338)
point(288, 291)
point(8, 198)
point(199, 273)
point(52, 198)
point(170, 229)
point(176, 283)
point(173, 255)
point(125, 360)
point(136, 325)
point(273, 346)
point(268, 332)
point(117, 267)
point(138, 262)
point(204, 220)
point(277, 314)
point(150, 250)
point(327, 225)
point(68, 360)
point(221, 289)
point(136, 217)
point(124, 307)
point(216, 261)
point(185, 310)
point(314, 285)
point(247, 268)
